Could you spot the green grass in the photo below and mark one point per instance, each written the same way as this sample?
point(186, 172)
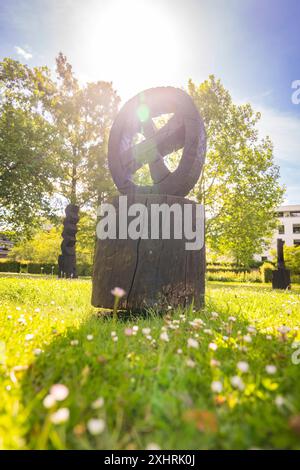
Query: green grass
point(153, 396)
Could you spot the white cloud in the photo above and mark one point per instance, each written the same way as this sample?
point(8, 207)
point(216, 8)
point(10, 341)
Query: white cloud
point(283, 129)
point(26, 55)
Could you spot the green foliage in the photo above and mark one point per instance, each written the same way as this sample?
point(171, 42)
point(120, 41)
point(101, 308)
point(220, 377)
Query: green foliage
point(82, 116)
point(152, 394)
point(292, 258)
point(267, 272)
point(28, 145)
point(233, 276)
point(240, 184)
point(44, 245)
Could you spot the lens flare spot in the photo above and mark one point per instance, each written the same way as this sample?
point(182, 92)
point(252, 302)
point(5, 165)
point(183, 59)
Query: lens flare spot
point(143, 112)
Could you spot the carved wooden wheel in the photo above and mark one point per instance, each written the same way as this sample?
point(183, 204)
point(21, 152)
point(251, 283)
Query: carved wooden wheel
point(185, 130)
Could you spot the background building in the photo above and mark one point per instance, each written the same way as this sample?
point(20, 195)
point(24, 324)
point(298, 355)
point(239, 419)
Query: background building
point(288, 230)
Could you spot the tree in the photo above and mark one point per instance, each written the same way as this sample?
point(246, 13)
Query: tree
point(240, 183)
point(82, 117)
point(44, 243)
point(28, 146)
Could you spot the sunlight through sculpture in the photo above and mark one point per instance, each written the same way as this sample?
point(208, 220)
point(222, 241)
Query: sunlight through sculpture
point(159, 267)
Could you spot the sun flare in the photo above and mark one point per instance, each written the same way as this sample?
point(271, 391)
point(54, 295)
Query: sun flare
point(134, 40)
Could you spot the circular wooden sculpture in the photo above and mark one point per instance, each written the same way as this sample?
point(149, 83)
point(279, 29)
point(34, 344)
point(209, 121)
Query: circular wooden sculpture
point(153, 272)
point(184, 130)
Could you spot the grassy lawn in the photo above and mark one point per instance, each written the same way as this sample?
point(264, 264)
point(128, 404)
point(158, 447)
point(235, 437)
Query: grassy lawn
point(174, 383)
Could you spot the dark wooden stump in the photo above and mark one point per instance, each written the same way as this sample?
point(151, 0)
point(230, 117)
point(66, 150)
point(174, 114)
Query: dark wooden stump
point(282, 277)
point(153, 273)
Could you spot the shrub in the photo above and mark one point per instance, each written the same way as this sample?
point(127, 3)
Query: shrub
point(40, 268)
point(231, 276)
point(266, 271)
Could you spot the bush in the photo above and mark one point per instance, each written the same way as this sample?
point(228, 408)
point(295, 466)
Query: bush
point(9, 266)
point(231, 276)
point(40, 268)
point(266, 271)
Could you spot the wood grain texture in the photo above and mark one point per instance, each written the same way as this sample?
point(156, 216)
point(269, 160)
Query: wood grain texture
point(154, 273)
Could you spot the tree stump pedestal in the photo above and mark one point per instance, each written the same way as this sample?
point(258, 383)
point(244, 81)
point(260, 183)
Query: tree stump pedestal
point(153, 272)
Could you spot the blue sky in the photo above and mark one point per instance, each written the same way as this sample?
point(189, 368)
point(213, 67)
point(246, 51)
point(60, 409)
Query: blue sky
point(252, 45)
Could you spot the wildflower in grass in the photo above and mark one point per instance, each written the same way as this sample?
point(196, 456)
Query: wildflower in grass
point(247, 339)
point(52, 302)
point(251, 329)
point(18, 308)
point(164, 336)
point(29, 337)
point(271, 370)
point(49, 401)
point(179, 351)
point(37, 310)
point(192, 343)
point(149, 337)
point(208, 331)
point(9, 317)
point(79, 429)
point(283, 330)
point(243, 366)
point(128, 331)
point(237, 382)
point(215, 363)
point(118, 292)
point(113, 333)
point(95, 426)
point(190, 363)
point(225, 338)
point(232, 319)
point(146, 331)
point(269, 337)
point(90, 337)
point(98, 403)
point(37, 351)
point(135, 328)
point(213, 346)
point(279, 401)
point(152, 446)
point(115, 339)
point(74, 342)
point(59, 392)
point(217, 386)
point(60, 416)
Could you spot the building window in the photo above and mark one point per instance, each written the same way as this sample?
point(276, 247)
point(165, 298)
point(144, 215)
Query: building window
point(295, 214)
point(296, 228)
point(281, 230)
point(296, 242)
point(279, 214)
point(264, 258)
